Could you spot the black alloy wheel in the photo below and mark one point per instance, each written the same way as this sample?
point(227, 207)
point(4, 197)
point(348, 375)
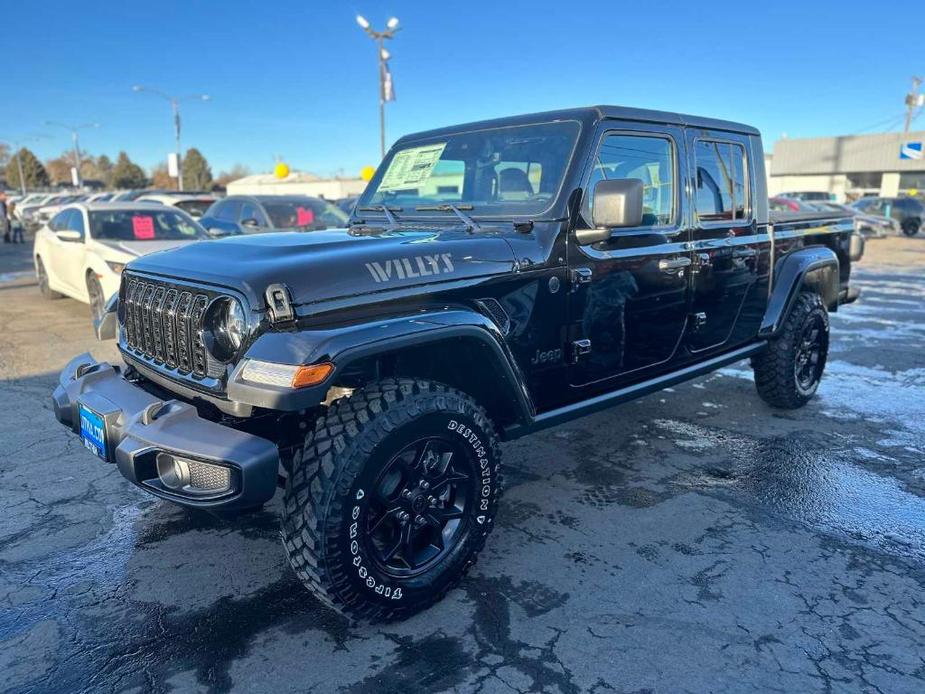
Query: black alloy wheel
point(811, 352)
point(418, 511)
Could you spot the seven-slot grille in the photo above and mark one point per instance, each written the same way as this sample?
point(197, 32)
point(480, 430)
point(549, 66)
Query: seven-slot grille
point(163, 322)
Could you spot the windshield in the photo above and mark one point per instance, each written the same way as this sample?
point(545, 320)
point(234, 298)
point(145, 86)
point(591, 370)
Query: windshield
point(144, 225)
point(502, 171)
point(195, 208)
point(307, 213)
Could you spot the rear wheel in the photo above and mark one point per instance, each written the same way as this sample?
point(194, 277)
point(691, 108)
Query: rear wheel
point(42, 276)
point(910, 227)
point(788, 372)
point(97, 300)
point(391, 498)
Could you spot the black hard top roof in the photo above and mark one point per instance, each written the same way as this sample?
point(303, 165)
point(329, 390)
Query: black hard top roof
point(593, 113)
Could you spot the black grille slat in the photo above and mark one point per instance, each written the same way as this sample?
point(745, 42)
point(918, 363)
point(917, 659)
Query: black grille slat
point(170, 331)
point(182, 320)
point(128, 312)
point(197, 313)
point(146, 319)
point(157, 325)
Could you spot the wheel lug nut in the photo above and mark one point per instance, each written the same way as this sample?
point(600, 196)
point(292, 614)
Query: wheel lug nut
point(404, 516)
point(419, 520)
point(431, 501)
point(406, 494)
point(424, 485)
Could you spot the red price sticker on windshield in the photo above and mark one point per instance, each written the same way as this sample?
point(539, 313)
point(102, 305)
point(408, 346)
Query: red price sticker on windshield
point(143, 227)
point(304, 217)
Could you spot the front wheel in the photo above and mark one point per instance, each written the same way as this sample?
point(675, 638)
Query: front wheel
point(97, 300)
point(391, 498)
point(788, 372)
point(41, 275)
point(910, 227)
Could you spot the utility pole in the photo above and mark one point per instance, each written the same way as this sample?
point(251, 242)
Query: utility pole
point(386, 92)
point(175, 102)
point(914, 101)
point(76, 141)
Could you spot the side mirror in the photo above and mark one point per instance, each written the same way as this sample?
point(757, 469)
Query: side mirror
point(69, 236)
point(617, 203)
point(251, 223)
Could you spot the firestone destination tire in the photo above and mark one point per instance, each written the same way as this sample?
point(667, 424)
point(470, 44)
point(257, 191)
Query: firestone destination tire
point(788, 372)
point(391, 498)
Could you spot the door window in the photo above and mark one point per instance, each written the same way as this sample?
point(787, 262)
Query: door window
point(228, 212)
point(59, 221)
point(77, 222)
point(647, 158)
point(722, 186)
point(251, 211)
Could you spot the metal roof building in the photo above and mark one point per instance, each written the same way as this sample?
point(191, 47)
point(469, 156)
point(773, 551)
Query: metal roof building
point(885, 164)
point(297, 183)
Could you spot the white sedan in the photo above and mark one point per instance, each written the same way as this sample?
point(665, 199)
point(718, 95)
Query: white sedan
point(82, 250)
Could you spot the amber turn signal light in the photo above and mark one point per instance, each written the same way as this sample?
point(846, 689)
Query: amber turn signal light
point(312, 375)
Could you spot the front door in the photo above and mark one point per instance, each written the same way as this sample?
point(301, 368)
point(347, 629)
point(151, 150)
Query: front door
point(628, 307)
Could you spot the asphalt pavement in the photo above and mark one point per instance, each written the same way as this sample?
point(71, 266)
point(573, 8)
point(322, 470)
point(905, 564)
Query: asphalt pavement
point(692, 541)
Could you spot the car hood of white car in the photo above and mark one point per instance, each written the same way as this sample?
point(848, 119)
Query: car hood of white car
point(139, 248)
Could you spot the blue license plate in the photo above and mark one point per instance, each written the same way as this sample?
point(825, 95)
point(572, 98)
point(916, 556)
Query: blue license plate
point(92, 431)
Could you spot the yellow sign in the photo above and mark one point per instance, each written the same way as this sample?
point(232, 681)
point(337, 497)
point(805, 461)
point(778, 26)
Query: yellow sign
point(281, 170)
point(367, 172)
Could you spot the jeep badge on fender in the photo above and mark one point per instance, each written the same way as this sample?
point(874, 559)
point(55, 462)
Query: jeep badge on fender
point(371, 372)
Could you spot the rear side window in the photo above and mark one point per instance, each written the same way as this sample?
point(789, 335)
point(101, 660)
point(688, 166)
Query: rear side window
point(722, 186)
point(647, 158)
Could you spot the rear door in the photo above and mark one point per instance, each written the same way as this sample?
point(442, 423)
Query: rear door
point(731, 250)
point(628, 304)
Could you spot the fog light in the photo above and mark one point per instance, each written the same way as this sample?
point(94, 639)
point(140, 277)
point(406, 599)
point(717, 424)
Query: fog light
point(173, 472)
point(192, 476)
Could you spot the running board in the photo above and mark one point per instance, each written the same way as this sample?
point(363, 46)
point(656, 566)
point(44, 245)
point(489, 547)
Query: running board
point(637, 390)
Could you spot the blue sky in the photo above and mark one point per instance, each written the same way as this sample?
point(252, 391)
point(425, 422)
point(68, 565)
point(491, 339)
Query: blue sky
point(299, 79)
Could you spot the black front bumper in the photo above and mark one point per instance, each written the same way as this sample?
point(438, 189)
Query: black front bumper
point(139, 426)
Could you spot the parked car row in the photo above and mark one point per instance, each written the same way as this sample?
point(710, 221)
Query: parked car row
point(84, 242)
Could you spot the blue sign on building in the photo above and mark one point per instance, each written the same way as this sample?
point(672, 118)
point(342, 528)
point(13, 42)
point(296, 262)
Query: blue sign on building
point(911, 150)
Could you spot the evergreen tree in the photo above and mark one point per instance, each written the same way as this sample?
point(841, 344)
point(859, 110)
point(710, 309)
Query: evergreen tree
point(35, 174)
point(196, 172)
point(127, 174)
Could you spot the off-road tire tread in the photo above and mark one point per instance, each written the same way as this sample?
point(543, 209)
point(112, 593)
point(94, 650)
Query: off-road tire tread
point(325, 467)
point(774, 366)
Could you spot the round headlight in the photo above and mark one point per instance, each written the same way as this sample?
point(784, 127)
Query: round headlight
point(226, 326)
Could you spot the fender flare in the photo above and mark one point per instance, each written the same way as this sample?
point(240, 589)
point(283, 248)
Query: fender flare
point(346, 345)
point(815, 268)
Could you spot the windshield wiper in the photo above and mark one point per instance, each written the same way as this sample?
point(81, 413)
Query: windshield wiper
point(471, 224)
point(384, 209)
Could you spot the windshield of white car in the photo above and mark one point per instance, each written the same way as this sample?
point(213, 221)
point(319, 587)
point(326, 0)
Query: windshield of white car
point(144, 225)
point(516, 170)
point(311, 214)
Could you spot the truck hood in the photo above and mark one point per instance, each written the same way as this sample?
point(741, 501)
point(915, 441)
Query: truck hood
point(333, 264)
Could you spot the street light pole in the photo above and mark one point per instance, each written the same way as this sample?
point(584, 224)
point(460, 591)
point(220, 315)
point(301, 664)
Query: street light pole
point(175, 108)
point(914, 101)
point(385, 77)
point(76, 140)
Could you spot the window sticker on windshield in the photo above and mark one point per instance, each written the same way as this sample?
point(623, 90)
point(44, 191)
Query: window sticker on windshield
point(304, 216)
point(411, 167)
point(143, 227)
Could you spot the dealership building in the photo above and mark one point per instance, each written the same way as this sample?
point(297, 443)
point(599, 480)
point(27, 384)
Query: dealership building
point(886, 164)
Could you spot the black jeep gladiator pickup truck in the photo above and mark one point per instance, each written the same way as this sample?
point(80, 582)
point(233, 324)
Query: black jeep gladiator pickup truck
point(495, 279)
